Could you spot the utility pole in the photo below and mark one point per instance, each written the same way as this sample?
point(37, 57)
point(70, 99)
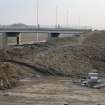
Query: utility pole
point(37, 10)
point(67, 18)
point(56, 16)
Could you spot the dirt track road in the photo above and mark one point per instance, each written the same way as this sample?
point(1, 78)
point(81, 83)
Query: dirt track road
point(51, 91)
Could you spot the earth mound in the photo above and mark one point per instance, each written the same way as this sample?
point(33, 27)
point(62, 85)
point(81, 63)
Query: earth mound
point(94, 48)
point(7, 76)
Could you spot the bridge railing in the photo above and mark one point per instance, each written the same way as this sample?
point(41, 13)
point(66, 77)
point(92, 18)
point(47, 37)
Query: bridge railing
point(46, 27)
point(62, 26)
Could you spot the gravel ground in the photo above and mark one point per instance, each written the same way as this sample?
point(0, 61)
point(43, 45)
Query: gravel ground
point(51, 91)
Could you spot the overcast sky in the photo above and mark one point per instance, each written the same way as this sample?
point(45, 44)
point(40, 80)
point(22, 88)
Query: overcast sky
point(81, 12)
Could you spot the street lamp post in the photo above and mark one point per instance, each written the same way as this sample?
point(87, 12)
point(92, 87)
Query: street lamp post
point(37, 8)
point(56, 16)
point(67, 18)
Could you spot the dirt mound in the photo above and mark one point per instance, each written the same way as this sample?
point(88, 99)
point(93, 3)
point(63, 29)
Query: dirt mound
point(78, 59)
point(95, 37)
point(70, 60)
point(94, 48)
point(94, 45)
point(46, 60)
point(7, 76)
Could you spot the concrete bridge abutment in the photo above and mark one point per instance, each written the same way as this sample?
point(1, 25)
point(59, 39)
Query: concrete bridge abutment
point(4, 40)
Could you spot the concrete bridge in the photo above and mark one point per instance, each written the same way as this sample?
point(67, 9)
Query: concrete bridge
point(8, 31)
point(60, 30)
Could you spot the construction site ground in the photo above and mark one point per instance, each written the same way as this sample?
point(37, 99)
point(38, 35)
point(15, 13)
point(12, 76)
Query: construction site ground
point(51, 91)
point(42, 74)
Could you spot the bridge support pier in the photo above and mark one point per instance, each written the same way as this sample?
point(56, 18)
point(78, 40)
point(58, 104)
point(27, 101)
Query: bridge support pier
point(4, 40)
point(49, 36)
point(18, 39)
point(53, 35)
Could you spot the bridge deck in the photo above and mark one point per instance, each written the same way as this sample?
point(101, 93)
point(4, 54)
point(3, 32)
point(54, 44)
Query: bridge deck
point(43, 30)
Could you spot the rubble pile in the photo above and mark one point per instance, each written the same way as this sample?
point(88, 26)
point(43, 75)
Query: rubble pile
point(7, 76)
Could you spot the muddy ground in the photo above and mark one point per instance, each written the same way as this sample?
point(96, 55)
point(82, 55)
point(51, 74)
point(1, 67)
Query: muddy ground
point(51, 91)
